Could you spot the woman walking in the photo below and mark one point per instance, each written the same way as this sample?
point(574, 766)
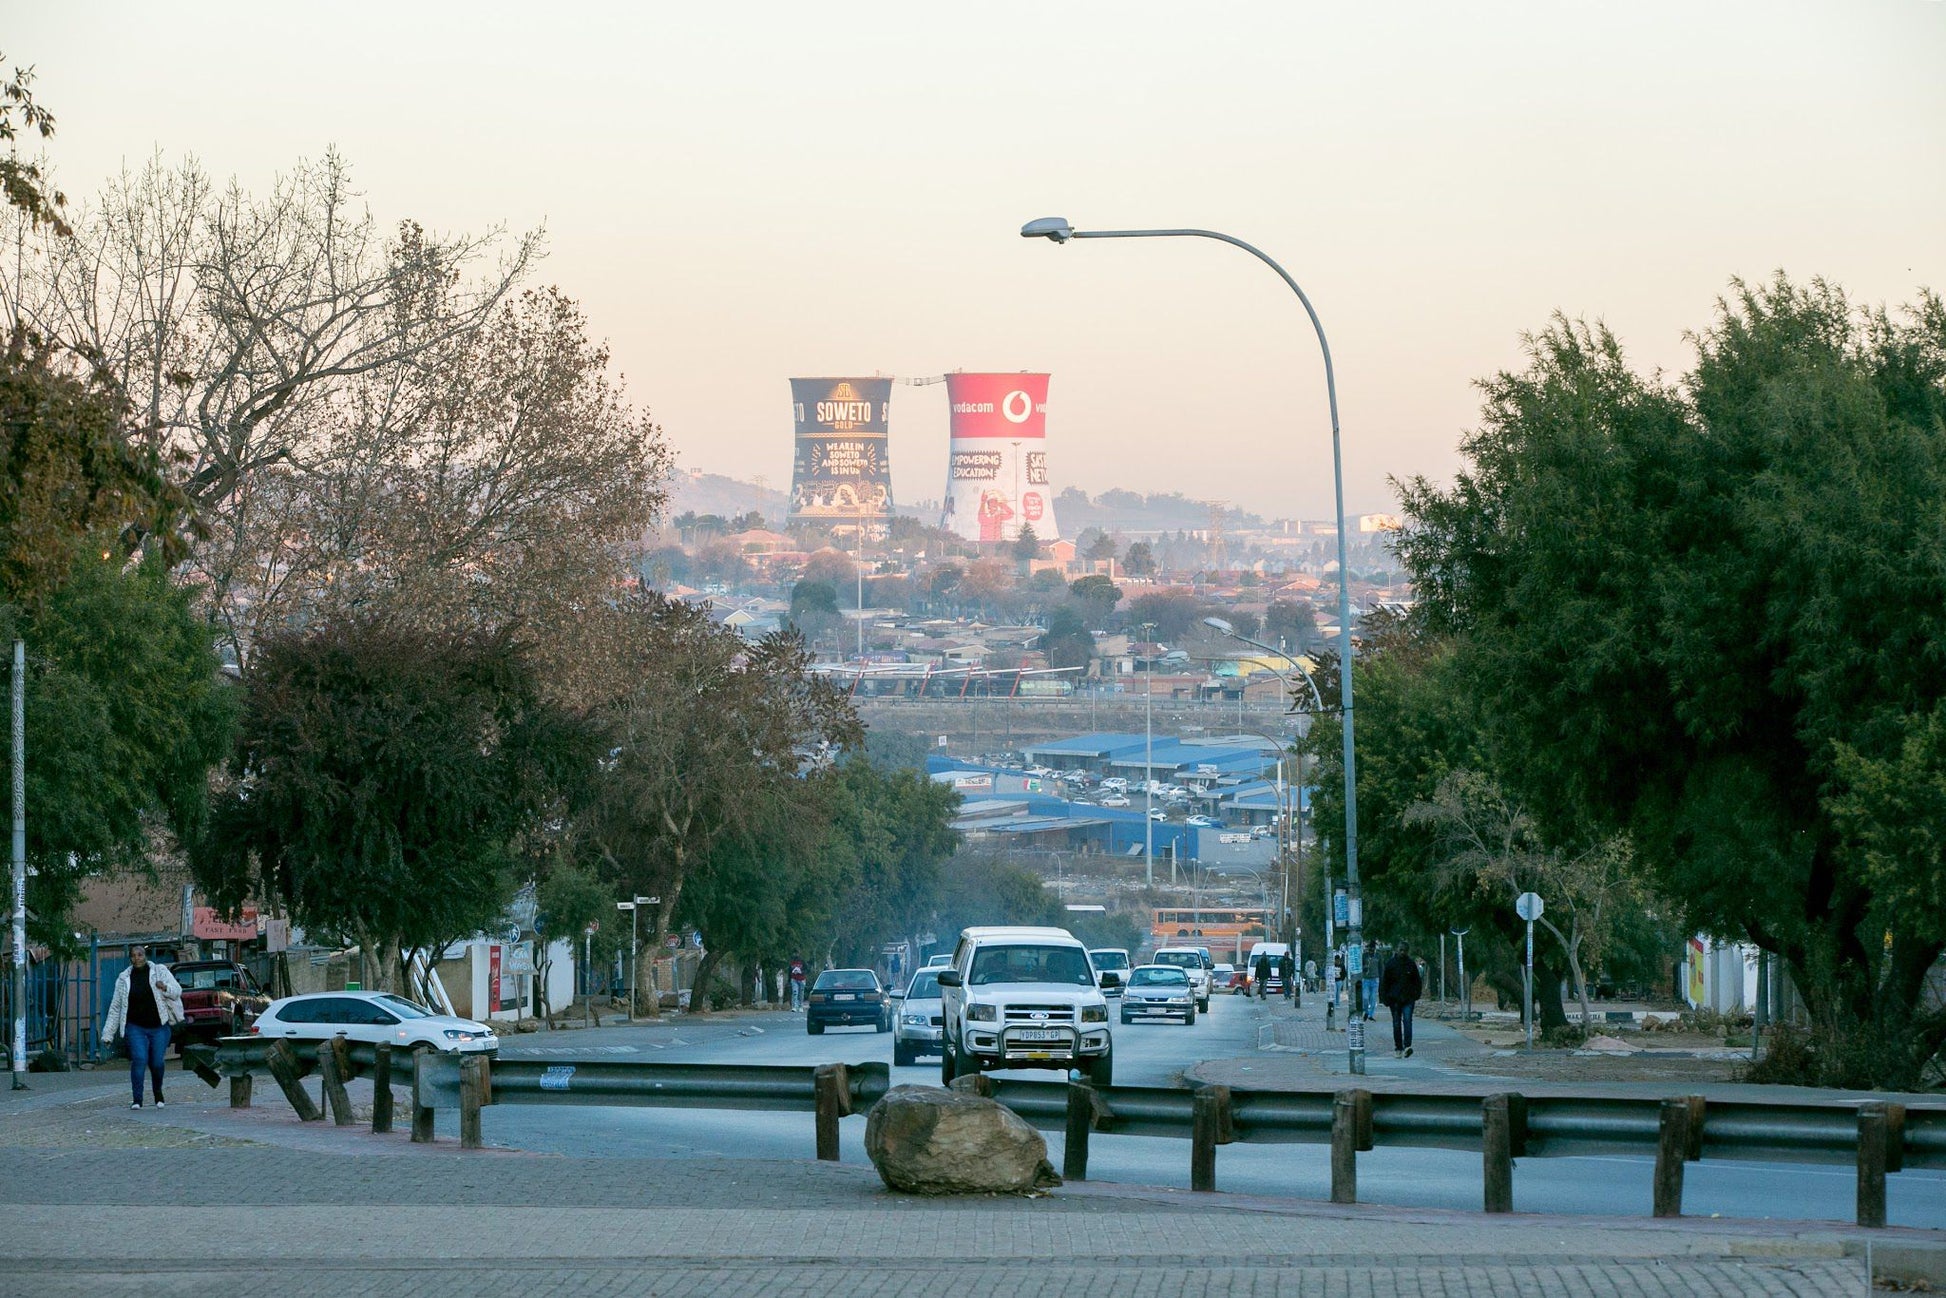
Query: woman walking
point(148, 1002)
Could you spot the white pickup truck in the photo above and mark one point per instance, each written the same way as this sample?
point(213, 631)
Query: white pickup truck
point(1024, 998)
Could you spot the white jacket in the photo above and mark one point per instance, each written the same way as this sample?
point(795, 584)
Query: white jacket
point(168, 1001)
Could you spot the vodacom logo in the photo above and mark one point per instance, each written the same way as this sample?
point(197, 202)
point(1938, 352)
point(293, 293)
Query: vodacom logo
point(1016, 406)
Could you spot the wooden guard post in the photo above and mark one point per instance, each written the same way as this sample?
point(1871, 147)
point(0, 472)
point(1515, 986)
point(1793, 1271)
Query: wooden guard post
point(831, 1090)
point(1344, 1147)
point(422, 1112)
point(1210, 1126)
point(1081, 1120)
point(472, 1095)
point(240, 1091)
point(1872, 1158)
point(381, 1088)
point(334, 1065)
point(282, 1062)
point(1671, 1151)
point(1497, 1153)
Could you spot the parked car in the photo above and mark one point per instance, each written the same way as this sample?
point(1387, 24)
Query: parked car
point(1114, 800)
point(1107, 960)
point(843, 998)
point(220, 998)
point(1159, 991)
point(1201, 822)
point(1158, 814)
point(917, 1023)
point(1115, 782)
point(372, 1017)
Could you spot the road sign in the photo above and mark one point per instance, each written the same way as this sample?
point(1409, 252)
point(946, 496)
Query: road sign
point(1339, 906)
point(1529, 906)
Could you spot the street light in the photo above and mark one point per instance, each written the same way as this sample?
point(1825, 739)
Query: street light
point(1058, 230)
point(634, 944)
point(1223, 626)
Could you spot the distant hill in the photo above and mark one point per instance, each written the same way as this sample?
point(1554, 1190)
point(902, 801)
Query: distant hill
point(713, 493)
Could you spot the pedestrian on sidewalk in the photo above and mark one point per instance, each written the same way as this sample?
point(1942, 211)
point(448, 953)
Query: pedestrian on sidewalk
point(1399, 987)
point(1334, 974)
point(1287, 970)
point(797, 982)
point(147, 1003)
point(1260, 973)
point(1310, 975)
point(1370, 977)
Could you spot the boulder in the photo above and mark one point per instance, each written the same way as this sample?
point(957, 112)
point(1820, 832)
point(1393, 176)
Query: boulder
point(928, 1140)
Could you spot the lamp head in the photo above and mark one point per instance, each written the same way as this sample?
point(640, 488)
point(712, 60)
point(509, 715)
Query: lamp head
point(1218, 624)
point(1048, 227)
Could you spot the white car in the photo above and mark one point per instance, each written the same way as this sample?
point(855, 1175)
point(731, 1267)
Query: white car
point(1023, 998)
point(371, 1017)
point(1159, 991)
point(940, 961)
point(1190, 960)
point(1114, 800)
point(1107, 960)
point(1115, 782)
point(916, 1025)
point(1201, 822)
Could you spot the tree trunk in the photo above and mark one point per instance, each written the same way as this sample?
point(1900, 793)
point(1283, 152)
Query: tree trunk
point(1571, 948)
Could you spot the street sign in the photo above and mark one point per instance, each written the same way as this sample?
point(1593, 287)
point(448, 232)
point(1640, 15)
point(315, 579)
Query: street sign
point(1529, 906)
point(1339, 906)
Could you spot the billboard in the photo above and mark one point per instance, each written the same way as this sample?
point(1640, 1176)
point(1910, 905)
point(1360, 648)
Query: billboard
point(996, 466)
point(841, 470)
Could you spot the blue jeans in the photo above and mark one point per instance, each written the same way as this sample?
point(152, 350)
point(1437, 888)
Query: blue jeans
point(146, 1046)
point(1402, 1026)
point(1371, 997)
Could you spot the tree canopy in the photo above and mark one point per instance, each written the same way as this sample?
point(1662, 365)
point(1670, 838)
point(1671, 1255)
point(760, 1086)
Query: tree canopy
point(1712, 614)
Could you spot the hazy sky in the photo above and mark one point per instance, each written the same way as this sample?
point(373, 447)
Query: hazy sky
point(742, 193)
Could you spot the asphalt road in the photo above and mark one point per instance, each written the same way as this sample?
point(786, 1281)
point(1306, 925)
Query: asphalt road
point(1155, 1054)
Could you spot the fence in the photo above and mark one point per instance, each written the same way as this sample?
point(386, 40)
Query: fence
point(66, 1002)
point(1878, 1138)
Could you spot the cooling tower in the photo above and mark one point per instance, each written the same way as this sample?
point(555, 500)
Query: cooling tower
point(841, 472)
point(996, 475)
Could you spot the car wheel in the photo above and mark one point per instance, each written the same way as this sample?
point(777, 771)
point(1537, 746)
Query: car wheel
point(965, 1065)
point(945, 1063)
point(1189, 1017)
point(1101, 1071)
point(1127, 1018)
point(813, 1027)
point(1203, 1005)
point(901, 1054)
point(885, 1025)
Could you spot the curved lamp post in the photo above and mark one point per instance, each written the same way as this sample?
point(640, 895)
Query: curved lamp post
point(1058, 230)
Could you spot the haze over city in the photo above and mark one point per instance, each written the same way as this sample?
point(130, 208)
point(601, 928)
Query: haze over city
point(738, 194)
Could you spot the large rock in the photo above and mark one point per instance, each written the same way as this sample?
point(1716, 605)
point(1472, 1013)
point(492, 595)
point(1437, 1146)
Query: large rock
point(925, 1140)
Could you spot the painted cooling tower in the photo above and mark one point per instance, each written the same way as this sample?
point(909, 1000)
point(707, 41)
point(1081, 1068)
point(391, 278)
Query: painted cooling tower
point(841, 471)
point(996, 475)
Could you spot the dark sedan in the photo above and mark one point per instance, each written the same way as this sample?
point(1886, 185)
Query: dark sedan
point(843, 998)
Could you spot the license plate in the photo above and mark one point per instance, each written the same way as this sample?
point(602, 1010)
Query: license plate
point(844, 996)
point(1037, 1054)
point(1039, 1034)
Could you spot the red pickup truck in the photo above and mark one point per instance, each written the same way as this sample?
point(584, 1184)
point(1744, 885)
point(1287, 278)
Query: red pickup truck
point(219, 999)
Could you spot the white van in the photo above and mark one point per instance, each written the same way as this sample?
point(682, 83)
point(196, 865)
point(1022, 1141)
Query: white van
point(1273, 950)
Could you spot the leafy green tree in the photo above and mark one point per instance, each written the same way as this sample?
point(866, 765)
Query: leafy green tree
point(893, 830)
point(810, 597)
point(1066, 641)
point(1026, 545)
point(26, 185)
point(126, 714)
point(1097, 597)
point(1710, 615)
point(1292, 623)
point(387, 784)
point(1140, 559)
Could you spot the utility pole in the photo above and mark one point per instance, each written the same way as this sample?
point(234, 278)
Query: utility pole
point(1148, 761)
point(19, 1052)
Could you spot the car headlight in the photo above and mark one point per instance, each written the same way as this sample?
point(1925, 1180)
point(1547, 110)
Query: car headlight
point(980, 1014)
point(1094, 1014)
point(459, 1034)
point(915, 1020)
point(1180, 1000)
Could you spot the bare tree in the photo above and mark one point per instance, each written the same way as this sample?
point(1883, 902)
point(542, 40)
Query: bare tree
point(1494, 846)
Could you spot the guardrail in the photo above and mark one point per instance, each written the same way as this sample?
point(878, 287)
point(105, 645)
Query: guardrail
point(1879, 1138)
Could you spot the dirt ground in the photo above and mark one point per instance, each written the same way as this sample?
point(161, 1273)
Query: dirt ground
point(1656, 1057)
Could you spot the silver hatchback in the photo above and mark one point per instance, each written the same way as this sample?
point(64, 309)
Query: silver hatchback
point(918, 1025)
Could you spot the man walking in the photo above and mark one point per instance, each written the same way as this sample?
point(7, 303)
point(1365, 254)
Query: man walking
point(1333, 973)
point(1287, 970)
point(1260, 973)
point(797, 982)
point(1399, 987)
point(147, 1003)
point(1370, 980)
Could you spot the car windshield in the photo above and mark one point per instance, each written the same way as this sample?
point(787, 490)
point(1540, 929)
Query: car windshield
point(925, 987)
point(846, 980)
point(1159, 978)
point(1181, 959)
point(1031, 964)
point(205, 980)
point(404, 1008)
point(1108, 959)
